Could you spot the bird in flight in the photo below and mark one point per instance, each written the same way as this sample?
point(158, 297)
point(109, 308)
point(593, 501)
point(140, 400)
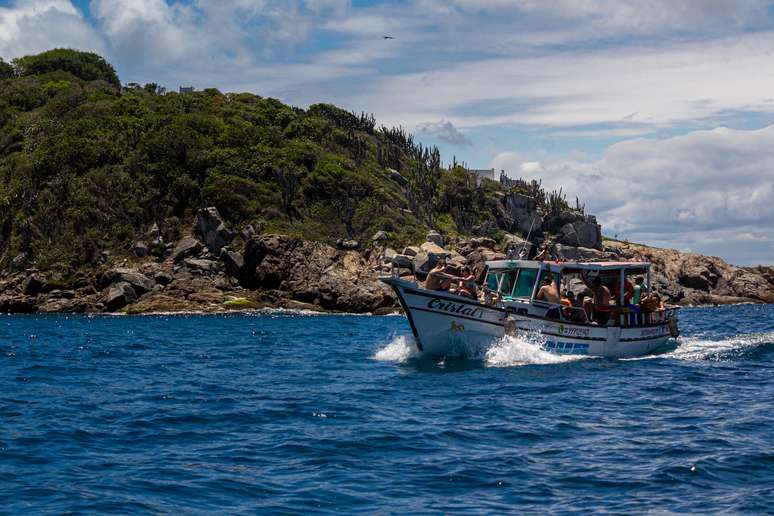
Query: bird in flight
point(388, 37)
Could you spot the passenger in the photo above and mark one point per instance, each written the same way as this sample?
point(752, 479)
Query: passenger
point(600, 303)
point(639, 289)
point(628, 293)
point(567, 300)
point(548, 292)
point(487, 297)
point(438, 279)
point(467, 285)
point(653, 307)
point(635, 317)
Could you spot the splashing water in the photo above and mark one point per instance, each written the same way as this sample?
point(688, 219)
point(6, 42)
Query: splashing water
point(696, 348)
point(504, 352)
point(518, 351)
point(399, 349)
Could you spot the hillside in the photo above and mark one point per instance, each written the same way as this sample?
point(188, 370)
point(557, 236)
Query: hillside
point(125, 195)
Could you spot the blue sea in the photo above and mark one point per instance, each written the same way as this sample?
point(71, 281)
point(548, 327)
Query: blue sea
point(292, 413)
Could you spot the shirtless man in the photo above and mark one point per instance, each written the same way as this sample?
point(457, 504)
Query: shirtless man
point(601, 300)
point(468, 286)
point(438, 279)
point(549, 292)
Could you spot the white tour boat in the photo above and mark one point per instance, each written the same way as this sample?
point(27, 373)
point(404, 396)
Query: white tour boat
point(446, 324)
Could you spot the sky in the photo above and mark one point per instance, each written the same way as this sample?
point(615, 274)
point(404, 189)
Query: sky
point(657, 114)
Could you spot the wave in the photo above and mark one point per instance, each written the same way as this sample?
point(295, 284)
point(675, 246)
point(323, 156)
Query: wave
point(695, 348)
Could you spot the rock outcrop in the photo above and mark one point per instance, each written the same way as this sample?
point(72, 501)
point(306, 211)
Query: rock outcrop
point(690, 278)
point(285, 271)
point(213, 229)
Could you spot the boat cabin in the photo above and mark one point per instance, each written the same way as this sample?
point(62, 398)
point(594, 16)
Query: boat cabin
point(517, 283)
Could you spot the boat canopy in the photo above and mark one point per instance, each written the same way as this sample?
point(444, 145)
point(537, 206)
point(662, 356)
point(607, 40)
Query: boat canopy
point(568, 267)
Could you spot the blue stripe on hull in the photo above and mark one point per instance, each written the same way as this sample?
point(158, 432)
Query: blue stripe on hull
point(566, 348)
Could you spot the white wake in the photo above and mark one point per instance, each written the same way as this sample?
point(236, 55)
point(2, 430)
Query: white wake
point(696, 348)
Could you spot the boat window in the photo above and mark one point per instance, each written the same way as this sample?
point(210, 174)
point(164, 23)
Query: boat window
point(492, 280)
point(507, 284)
point(526, 282)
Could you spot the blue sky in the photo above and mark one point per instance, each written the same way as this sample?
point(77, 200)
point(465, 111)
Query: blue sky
point(658, 114)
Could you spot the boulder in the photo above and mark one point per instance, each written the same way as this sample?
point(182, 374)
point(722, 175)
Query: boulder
point(139, 282)
point(186, 248)
point(162, 278)
point(411, 250)
point(213, 229)
point(435, 238)
point(571, 253)
point(403, 261)
point(35, 284)
point(582, 233)
point(489, 243)
point(233, 262)
point(379, 236)
point(388, 254)
point(522, 209)
point(205, 266)
point(140, 249)
point(247, 232)
point(347, 244)
point(119, 295)
point(433, 248)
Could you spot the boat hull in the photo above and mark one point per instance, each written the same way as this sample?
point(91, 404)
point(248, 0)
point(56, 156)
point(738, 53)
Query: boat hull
point(447, 325)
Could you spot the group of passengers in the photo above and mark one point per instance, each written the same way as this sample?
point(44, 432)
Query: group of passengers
point(442, 277)
point(598, 307)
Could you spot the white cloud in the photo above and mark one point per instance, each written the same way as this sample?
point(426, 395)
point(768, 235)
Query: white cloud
point(712, 191)
point(444, 131)
point(32, 26)
point(662, 84)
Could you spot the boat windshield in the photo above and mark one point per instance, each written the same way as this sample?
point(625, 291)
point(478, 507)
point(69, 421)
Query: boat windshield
point(513, 283)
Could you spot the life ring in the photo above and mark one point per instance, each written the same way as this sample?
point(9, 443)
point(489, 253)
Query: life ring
point(674, 331)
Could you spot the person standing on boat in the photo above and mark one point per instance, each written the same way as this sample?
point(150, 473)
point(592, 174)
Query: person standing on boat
point(599, 305)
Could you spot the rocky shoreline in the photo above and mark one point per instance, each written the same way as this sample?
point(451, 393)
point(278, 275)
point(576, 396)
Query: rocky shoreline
point(215, 270)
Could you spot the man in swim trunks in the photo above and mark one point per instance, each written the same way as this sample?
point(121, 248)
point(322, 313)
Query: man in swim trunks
point(601, 299)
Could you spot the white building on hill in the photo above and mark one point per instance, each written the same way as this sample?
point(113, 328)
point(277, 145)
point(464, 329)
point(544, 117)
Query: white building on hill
point(483, 172)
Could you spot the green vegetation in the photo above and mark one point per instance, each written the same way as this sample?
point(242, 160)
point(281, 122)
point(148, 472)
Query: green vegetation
point(87, 165)
point(239, 303)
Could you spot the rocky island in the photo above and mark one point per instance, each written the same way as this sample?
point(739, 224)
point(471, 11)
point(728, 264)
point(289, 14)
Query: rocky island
point(129, 198)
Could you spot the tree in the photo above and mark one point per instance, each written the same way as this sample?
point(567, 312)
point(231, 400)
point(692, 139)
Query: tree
point(86, 65)
point(289, 178)
point(6, 70)
point(342, 189)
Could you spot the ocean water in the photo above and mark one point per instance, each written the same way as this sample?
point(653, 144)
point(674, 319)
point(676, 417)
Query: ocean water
point(296, 413)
